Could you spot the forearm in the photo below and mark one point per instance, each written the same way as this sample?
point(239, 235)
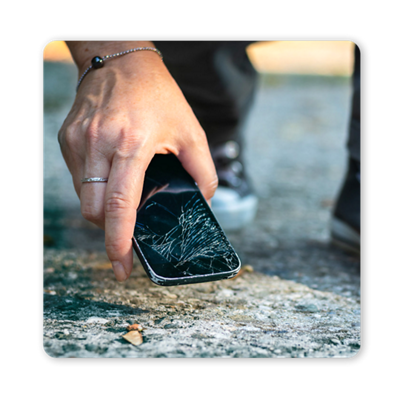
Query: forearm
point(83, 51)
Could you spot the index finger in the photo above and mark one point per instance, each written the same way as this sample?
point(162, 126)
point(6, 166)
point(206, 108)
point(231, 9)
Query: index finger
point(124, 189)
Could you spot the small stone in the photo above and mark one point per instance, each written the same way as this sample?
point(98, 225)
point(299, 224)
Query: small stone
point(71, 347)
point(93, 348)
point(205, 288)
point(134, 337)
point(170, 295)
point(199, 336)
point(96, 320)
point(72, 275)
point(307, 307)
point(171, 326)
point(101, 265)
point(248, 268)
point(134, 327)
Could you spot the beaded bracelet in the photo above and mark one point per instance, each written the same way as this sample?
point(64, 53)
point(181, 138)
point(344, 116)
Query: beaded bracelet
point(98, 62)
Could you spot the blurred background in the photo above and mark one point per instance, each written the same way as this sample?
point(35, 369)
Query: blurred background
point(295, 151)
point(289, 57)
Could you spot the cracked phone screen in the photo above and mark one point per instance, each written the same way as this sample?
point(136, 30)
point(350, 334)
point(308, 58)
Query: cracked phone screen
point(175, 230)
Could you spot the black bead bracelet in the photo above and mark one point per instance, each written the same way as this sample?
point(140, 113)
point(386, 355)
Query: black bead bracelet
point(98, 62)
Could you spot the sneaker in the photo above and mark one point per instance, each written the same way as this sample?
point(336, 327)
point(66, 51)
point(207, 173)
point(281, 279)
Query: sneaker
point(234, 203)
point(345, 224)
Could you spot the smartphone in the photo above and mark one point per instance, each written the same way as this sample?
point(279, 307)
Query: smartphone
point(177, 237)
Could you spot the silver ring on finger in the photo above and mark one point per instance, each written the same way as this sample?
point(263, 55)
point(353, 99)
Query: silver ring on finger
point(94, 179)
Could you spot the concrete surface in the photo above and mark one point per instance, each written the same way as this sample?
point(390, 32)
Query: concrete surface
point(303, 298)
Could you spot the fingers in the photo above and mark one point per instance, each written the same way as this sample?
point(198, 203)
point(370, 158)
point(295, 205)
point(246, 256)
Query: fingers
point(122, 197)
point(92, 194)
point(197, 161)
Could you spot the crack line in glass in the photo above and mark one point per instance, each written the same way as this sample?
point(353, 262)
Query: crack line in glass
point(196, 240)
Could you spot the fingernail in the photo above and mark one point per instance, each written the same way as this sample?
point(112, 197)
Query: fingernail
point(119, 271)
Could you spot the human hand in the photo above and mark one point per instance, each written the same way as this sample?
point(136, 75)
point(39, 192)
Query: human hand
point(123, 115)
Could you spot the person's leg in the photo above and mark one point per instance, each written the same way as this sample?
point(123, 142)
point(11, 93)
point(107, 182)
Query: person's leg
point(354, 142)
point(219, 83)
point(346, 223)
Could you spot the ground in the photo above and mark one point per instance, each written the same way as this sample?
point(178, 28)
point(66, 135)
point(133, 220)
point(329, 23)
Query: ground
point(301, 298)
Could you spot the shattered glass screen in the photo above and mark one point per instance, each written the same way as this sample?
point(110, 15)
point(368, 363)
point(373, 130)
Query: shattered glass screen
point(176, 232)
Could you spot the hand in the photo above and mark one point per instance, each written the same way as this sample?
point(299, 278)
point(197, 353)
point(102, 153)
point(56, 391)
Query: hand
point(123, 114)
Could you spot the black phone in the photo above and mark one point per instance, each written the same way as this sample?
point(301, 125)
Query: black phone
point(177, 237)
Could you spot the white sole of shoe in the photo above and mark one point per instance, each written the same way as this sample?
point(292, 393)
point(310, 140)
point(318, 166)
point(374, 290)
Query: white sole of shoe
point(235, 214)
point(345, 236)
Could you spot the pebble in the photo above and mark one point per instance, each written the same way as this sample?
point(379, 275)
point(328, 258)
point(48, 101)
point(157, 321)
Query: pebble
point(171, 326)
point(307, 307)
point(96, 320)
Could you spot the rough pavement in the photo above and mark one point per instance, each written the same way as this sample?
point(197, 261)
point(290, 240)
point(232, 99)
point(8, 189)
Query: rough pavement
point(303, 298)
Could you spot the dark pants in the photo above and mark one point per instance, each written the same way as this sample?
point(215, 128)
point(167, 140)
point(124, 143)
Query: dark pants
point(354, 142)
point(219, 82)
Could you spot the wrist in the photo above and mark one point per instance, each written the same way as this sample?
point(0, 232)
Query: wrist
point(139, 66)
point(84, 51)
point(99, 61)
